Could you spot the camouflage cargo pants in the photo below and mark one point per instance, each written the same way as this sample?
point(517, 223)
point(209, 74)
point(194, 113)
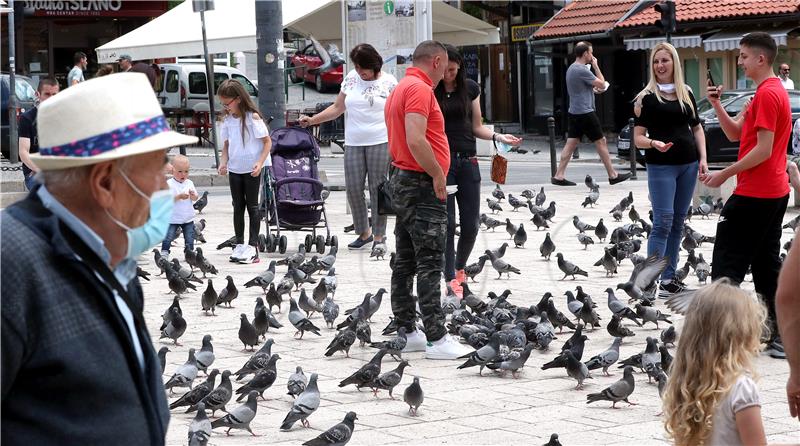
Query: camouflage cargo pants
point(420, 234)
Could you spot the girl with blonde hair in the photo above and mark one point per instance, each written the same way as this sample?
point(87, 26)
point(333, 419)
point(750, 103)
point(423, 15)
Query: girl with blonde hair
point(245, 152)
point(668, 127)
point(711, 397)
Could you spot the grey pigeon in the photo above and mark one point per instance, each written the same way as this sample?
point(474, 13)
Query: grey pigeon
point(330, 311)
point(568, 268)
point(297, 382)
point(229, 293)
point(263, 380)
point(299, 321)
point(490, 222)
point(320, 292)
point(338, 435)
point(393, 346)
point(540, 198)
point(573, 305)
point(620, 309)
point(261, 321)
point(650, 314)
point(205, 266)
point(168, 314)
point(644, 276)
point(208, 300)
point(296, 259)
point(219, 397)
point(201, 202)
point(389, 380)
point(616, 329)
point(585, 240)
point(501, 251)
point(308, 305)
point(498, 193)
point(483, 355)
point(520, 237)
point(184, 273)
point(199, 392)
point(606, 358)
point(175, 328)
point(185, 374)
point(513, 364)
point(273, 298)
point(501, 266)
point(248, 334)
point(326, 262)
point(299, 277)
point(200, 427)
point(511, 228)
point(494, 205)
point(608, 262)
point(619, 391)
point(473, 269)
point(539, 221)
point(702, 269)
point(205, 357)
point(331, 281)
point(547, 247)
point(162, 358)
point(543, 332)
point(345, 338)
point(414, 396)
point(601, 231)
point(669, 336)
point(651, 359)
point(666, 358)
point(633, 214)
point(374, 304)
point(240, 417)
point(576, 370)
point(368, 372)
point(264, 279)
point(257, 361)
point(303, 406)
point(553, 441)
point(588, 314)
point(581, 226)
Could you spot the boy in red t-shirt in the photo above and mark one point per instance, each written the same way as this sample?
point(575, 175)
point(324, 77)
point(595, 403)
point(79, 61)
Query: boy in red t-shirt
point(749, 227)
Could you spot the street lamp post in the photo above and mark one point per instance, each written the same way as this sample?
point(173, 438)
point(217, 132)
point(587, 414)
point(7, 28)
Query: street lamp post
point(202, 6)
point(13, 134)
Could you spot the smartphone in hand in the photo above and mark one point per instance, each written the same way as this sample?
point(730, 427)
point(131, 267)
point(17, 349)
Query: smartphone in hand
point(711, 83)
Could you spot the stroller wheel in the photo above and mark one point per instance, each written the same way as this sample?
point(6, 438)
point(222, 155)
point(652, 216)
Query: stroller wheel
point(282, 244)
point(308, 242)
point(320, 244)
point(334, 241)
point(262, 242)
point(272, 243)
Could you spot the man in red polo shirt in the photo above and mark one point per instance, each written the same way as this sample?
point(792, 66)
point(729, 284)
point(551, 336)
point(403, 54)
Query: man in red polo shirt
point(749, 227)
point(421, 158)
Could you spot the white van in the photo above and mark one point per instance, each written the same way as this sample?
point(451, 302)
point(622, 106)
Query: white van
point(182, 88)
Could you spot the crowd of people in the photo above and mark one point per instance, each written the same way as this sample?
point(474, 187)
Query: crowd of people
point(100, 199)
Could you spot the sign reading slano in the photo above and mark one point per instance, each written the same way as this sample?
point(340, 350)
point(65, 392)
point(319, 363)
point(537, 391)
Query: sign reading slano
point(95, 8)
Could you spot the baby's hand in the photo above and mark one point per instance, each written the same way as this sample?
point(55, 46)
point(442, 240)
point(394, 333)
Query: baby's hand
point(182, 196)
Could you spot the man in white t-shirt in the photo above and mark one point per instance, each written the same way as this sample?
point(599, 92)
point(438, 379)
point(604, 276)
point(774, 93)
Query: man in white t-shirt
point(783, 74)
point(182, 213)
point(75, 75)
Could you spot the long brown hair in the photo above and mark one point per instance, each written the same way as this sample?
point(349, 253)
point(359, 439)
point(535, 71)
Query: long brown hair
point(233, 89)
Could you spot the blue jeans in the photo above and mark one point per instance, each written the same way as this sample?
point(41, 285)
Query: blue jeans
point(188, 235)
point(671, 189)
point(29, 181)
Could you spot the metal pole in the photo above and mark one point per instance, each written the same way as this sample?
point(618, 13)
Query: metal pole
point(633, 151)
point(271, 57)
point(551, 130)
point(13, 134)
point(211, 90)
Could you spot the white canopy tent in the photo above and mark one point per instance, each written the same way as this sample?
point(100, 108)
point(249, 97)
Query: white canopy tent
point(231, 27)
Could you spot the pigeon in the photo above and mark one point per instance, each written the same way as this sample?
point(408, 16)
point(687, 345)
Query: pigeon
point(230, 243)
point(606, 358)
point(311, 266)
point(587, 201)
point(338, 435)
point(666, 359)
point(297, 382)
point(177, 284)
point(646, 227)
point(702, 269)
point(201, 202)
point(557, 318)
point(601, 231)
point(389, 380)
point(540, 198)
point(585, 240)
point(414, 396)
point(483, 355)
point(617, 215)
point(588, 315)
point(520, 237)
point(682, 272)
point(240, 417)
point(644, 276)
point(516, 203)
point(511, 229)
point(200, 391)
point(263, 380)
point(273, 298)
point(501, 266)
point(589, 182)
point(547, 247)
point(651, 359)
point(185, 374)
point(175, 328)
point(351, 313)
point(162, 357)
point(142, 274)
point(208, 300)
point(248, 334)
point(330, 281)
point(633, 214)
point(501, 251)
point(568, 268)
point(296, 259)
point(299, 277)
point(553, 441)
point(228, 294)
point(308, 305)
point(200, 427)
point(669, 336)
point(161, 262)
point(581, 226)
point(649, 314)
point(473, 269)
point(205, 266)
point(513, 364)
point(378, 251)
point(264, 279)
point(218, 398)
point(616, 329)
point(326, 262)
point(299, 321)
point(205, 357)
point(619, 391)
point(494, 205)
point(539, 221)
point(364, 376)
point(608, 262)
point(346, 337)
point(199, 227)
point(498, 193)
point(792, 224)
point(374, 304)
point(619, 308)
point(330, 311)
point(168, 315)
point(573, 305)
point(576, 370)
point(257, 361)
point(490, 222)
point(261, 321)
point(184, 273)
point(527, 194)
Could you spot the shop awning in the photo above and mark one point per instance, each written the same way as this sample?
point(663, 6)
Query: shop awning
point(729, 40)
point(231, 27)
point(647, 43)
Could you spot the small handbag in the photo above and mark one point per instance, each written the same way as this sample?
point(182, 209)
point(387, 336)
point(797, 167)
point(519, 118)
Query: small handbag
point(385, 199)
point(499, 165)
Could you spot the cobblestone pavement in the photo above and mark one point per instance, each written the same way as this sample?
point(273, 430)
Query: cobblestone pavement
point(460, 406)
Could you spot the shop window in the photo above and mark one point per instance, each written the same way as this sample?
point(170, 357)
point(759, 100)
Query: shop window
point(691, 75)
point(543, 83)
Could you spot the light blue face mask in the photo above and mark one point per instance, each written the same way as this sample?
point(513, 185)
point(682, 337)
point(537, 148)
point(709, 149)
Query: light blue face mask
point(154, 230)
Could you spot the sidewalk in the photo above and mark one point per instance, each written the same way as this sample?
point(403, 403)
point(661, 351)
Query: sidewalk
point(460, 406)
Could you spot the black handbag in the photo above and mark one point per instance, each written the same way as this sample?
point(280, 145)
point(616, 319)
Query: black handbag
point(385, 199)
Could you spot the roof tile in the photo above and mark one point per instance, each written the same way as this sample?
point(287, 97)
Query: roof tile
point(585, 17)
point(700, 10)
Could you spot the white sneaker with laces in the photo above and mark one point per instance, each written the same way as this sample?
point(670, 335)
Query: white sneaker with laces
point(415, 341)
point(446, 348)
point(249, 255)
point(238, 253)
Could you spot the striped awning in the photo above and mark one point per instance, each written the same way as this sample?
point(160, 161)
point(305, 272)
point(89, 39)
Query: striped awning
point(646, 43)
point(729, 40)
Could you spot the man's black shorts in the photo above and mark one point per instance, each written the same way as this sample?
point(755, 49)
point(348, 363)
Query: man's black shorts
point(586, 124)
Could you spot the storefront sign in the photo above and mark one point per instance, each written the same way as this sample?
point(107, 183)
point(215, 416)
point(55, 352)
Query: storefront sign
point(95, 8)
point(521, 33)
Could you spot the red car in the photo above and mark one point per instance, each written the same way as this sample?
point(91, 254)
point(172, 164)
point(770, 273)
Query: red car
point(327, 78)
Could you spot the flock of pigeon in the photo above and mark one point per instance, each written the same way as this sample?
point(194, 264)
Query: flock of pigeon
point(504, 334)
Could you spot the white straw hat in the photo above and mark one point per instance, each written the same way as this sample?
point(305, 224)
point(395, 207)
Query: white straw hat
point(103, 119)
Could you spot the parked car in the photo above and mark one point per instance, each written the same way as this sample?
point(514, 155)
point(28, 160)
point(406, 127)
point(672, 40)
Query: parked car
point(309, 66)
point(26, 99)
point(718, 148)
point(182, 88)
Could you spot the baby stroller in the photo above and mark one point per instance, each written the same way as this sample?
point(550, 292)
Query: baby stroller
point(292, 196)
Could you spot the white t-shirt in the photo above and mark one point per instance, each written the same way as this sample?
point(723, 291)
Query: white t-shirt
point(796, 139)
point(183, 211)
point(788, 83)
point(364, 123)
point(75, 74)
point(243, 154)
point(742, 395)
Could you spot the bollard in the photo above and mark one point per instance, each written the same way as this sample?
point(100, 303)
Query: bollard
point(632, 151)
point(551, 130)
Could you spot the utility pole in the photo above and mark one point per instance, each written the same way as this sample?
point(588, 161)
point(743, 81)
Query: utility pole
point(202, 6)
point(270, 55)
point(13, 134)
point(668, 21)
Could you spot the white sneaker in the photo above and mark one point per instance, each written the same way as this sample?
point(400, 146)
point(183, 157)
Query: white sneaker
point(165, 255)
point(238, 253)
point(249, 255)
point(446, 348)
point(415, 341)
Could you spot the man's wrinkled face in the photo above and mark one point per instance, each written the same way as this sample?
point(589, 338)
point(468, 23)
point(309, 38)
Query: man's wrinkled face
point(146, 172)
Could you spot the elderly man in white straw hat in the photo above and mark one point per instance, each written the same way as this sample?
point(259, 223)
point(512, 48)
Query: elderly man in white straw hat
point(78, 365)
